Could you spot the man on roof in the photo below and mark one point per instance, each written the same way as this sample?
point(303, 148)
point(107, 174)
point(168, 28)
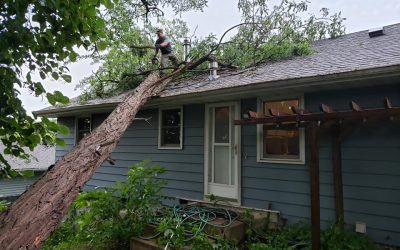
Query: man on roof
point(164, 45)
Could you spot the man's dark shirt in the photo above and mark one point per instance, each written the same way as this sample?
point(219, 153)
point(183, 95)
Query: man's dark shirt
point(167, 49)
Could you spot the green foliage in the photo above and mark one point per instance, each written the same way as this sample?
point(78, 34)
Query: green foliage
point(180, 233)
point(18, 132)
point(335, 238)
point(172, 232)
point(106, 219)
point(3, 206)
point(39, 37)
point(121, 66)
point(269, 32)
point(298, 236)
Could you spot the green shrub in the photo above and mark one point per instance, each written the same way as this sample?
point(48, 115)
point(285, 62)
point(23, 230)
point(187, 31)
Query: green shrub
point(337, 238)
point(106, 219)
point(3, 206)
point(298, 236)
point(289, 237)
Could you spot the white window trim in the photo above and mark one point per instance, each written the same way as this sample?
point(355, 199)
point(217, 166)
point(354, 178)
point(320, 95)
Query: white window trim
point(260, 158)
point(76, 126)
point(159, 128)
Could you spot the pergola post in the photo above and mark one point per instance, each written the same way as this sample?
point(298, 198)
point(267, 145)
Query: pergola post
point(337, 174)
point(313, 132)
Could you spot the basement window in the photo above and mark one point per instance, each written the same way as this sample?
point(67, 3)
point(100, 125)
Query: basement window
point(280, 145)
point(170, 128)
point(83, 128)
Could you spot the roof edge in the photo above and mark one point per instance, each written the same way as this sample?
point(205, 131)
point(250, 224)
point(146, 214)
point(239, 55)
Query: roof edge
point(394, 70)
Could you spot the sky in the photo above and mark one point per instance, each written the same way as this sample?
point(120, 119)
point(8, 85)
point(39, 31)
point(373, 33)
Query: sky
point(221, 15)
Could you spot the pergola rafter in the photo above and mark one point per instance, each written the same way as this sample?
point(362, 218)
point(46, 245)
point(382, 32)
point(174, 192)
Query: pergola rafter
point(341, 124)
point(301, 117)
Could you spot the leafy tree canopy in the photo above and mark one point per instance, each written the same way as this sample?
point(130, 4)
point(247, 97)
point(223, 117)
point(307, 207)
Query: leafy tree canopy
point(271, 32)
point(266, 32)
point(40, 38)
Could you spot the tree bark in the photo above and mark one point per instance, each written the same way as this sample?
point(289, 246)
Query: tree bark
point(37, 212)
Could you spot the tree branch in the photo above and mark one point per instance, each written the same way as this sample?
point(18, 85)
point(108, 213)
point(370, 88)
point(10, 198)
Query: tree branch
point(141, 47)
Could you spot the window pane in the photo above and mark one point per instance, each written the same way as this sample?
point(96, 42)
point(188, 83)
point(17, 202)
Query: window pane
point(80, 135)
point(281, 106)
point(170, 136)
point(171, 117)
point(84, 124)
point(280, 143)
point(221, 125)
point(83, 128)
point(171, 127)
point(221, 164)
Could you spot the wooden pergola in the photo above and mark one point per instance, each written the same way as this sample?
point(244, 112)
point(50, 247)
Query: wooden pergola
point(341, 124)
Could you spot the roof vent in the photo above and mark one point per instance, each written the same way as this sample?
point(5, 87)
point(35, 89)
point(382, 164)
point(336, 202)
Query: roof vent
point(212, 67)
point(376, 32)
point(186, 49)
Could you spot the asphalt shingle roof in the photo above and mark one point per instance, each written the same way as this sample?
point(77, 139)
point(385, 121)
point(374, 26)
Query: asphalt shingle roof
point(351, 52)
point(347, 53)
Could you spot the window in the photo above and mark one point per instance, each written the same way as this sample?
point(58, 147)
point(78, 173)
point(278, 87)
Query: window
point(170, 128)
point(83, 127)
point(280, 145)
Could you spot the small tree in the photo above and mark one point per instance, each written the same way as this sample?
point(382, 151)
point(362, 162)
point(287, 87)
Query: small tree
point(39, 37)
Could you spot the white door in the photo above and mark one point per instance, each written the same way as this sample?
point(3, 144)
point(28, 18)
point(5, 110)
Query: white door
point(222, 151)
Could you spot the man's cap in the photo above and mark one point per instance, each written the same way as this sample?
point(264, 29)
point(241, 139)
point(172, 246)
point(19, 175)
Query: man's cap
point(160, 31)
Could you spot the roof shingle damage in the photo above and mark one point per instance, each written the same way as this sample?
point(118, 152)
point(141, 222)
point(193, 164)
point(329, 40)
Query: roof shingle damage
point(347, 53)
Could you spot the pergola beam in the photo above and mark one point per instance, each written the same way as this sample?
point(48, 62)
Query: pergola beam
point(322, 117)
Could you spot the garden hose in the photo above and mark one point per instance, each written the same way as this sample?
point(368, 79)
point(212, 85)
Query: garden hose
point(201, 216)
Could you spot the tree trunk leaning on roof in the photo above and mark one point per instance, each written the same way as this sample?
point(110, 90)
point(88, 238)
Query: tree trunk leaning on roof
point(37, 213)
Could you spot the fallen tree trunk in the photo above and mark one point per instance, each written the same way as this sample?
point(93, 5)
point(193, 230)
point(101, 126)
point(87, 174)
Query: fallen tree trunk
point(38, 212)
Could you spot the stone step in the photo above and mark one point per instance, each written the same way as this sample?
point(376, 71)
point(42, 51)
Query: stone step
point(141, 244)
point(236, 231)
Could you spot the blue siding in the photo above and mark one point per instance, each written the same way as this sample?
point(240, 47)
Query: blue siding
point(371, 169)
point(184, 168)
point(371, 160)
point(68, 139)
point(14, 187)
point(371, 164)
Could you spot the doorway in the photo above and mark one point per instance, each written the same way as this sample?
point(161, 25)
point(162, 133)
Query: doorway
point(222, 151)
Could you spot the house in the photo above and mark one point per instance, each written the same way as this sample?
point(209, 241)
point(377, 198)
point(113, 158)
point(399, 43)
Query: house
point(41, 158)
point(192, 133)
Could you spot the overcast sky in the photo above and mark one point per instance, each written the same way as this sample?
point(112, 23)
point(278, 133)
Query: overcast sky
point(222, 14)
